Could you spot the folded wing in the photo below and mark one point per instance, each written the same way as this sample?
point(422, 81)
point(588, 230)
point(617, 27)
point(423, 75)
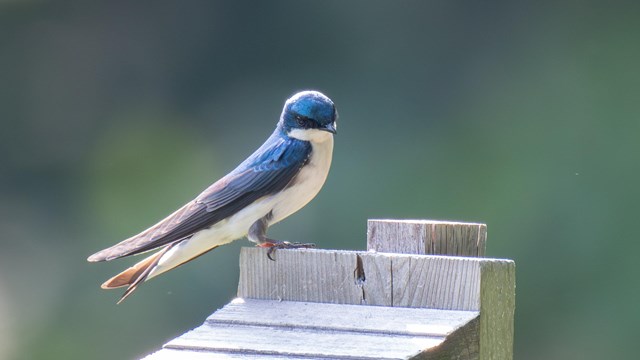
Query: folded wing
point(269, 170)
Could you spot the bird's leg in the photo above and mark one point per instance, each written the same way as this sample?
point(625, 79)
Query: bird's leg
point(258, 234)
point(284, 245)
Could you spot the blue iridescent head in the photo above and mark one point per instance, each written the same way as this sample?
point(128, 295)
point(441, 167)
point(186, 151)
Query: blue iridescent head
point(308, 115)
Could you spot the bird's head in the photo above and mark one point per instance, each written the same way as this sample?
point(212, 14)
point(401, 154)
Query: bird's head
point(309, 116)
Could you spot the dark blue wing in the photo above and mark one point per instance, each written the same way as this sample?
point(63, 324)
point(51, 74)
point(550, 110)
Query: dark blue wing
point(269, 170)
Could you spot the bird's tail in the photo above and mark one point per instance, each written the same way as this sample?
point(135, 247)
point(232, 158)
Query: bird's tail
point(135, 275)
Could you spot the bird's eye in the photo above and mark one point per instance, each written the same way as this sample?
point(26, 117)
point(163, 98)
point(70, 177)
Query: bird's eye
point(303, 121)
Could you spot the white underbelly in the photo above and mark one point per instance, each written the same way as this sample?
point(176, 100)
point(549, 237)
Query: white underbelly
point(303, 188)
point(221, 233)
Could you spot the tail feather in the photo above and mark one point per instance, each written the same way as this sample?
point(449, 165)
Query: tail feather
point(135, 275)
point(138, 273)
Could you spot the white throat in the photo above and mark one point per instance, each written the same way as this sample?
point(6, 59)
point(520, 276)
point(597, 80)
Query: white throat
point(311, 177)
point(313, 135)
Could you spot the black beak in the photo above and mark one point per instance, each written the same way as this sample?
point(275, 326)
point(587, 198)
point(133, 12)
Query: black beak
point(330, 128)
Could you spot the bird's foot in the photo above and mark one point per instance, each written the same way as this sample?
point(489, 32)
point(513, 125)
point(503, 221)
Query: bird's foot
point(273, 246)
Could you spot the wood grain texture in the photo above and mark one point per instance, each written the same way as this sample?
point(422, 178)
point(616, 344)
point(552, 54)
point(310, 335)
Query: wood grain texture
point(463, 344)
point(436, 282)
point(301, 342)
point(316, 275)
point(354, 318)
point(331, 276)
point(265, 329)
point(497, 306)
point(186, 354)
point(427, 237)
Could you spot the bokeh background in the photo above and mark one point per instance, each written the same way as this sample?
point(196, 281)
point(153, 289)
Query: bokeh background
point(525, 116)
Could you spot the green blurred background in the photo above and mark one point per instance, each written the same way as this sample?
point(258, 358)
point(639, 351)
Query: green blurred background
point(524, 116)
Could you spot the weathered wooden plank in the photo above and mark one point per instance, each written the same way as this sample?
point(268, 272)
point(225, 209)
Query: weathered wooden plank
point(478, 293)
point(333, 317)
point(463, 344)
point(497, 306)
point(302, 342)
point(265, 329)
point(316, 276)
point(436, 282)
point(184, 354)
point(427, 237)
point(332, 276)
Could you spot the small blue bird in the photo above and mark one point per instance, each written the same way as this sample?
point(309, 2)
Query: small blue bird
point(278, 179)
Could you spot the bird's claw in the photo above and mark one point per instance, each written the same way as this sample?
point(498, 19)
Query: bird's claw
point(286, 245)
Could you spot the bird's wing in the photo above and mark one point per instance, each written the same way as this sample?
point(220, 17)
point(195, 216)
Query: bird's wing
point(267, 171)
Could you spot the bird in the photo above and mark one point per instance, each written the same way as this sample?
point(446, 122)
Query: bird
point(278, 179)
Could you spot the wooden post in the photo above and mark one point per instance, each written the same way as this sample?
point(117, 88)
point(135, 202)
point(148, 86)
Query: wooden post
point(427, 237)
point(313, 303)
point(497, 293)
